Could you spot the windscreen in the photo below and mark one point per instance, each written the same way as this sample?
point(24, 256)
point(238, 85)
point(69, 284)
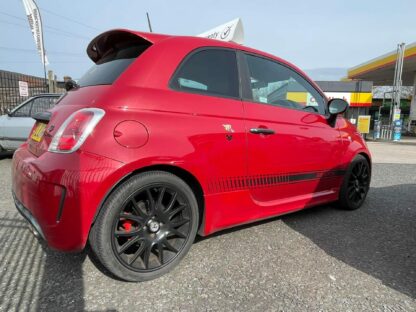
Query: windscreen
point(115, 53)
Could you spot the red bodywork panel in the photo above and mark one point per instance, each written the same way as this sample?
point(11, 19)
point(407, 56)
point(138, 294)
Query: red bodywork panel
point(146, 124)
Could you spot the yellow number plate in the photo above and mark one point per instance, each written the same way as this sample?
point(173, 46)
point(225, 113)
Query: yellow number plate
point(37, 134)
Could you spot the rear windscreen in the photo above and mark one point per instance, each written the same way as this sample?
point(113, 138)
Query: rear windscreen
point(116, 53)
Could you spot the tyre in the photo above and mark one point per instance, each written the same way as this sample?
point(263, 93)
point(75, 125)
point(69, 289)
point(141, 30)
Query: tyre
point(356, 184)
point(146, 226)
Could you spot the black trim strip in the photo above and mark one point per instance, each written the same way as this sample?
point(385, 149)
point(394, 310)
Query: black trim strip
point(61, 205)
point(228, 184)
point(12, 139)
point(28, 217)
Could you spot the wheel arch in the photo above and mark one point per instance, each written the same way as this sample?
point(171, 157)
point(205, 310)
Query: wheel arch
point(181, 173)
point(367, 157)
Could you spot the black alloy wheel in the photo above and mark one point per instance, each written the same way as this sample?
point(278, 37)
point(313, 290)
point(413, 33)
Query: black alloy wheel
point(146, 226)
point(152, 228)
point(356, 184)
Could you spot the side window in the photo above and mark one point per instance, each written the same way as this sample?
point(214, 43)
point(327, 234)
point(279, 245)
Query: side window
point(210, 71)
point(23, 111)
point(276, 84)
point(42, 104)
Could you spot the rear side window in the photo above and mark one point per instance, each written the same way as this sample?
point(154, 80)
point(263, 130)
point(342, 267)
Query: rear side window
point(42, 104)
point(23, 111)
point(114, 53)
point(211, 72)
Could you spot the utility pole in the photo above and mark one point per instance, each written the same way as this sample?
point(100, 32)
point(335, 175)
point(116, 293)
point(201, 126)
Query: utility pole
point(397, 82)
point(397, 89)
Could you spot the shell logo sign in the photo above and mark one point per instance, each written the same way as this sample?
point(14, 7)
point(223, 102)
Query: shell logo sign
point(304, 98)
point(355, 99)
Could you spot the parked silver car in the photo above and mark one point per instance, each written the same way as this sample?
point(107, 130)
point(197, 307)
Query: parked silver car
point(16, 125)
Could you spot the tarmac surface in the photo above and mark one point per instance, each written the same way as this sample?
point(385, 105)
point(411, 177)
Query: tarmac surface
point(320, 259)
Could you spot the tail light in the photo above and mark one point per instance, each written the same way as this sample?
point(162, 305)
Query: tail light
point(75, 130)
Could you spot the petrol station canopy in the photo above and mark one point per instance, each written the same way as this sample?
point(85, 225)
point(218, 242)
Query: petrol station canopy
point(380, 70)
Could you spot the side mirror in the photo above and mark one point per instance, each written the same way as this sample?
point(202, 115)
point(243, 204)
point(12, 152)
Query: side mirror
point(336, 107)
point(8, 112)
point(70, 84)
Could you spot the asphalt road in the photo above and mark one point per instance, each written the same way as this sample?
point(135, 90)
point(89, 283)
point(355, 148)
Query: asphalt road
point(321, 259)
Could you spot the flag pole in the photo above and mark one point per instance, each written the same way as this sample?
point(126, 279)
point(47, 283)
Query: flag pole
point(43, 46)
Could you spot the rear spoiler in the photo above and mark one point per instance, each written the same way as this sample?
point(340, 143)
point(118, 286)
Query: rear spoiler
point(105, 41)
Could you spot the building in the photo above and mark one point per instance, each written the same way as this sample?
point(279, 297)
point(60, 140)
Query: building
point(357, 93)
point(380, 71)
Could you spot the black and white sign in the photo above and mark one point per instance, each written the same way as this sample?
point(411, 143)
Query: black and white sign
point(23, 88)
point(231, 31)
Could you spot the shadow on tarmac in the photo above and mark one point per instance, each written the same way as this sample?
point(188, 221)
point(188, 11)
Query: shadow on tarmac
point(378, 239)
point(35, 277)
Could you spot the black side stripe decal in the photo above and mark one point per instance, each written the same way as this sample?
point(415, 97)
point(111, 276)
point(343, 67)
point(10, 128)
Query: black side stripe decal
point(229, 184)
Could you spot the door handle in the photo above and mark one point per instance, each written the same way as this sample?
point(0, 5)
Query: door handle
point(264, 131)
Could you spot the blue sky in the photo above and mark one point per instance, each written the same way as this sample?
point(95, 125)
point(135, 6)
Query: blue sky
point(311, 34)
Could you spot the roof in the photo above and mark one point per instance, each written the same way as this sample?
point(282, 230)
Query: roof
point(380, 70)
point(47, 94)
point(386, 91)
point(345, 86)
point(155, 38)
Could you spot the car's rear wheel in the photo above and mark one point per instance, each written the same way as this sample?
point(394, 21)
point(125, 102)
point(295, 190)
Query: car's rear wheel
point(356, 184)
point(146, 226)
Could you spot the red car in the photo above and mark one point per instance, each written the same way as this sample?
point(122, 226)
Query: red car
point(169, 136)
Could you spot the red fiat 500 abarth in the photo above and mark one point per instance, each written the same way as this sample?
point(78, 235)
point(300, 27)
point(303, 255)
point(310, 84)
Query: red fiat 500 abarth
point(166, 137)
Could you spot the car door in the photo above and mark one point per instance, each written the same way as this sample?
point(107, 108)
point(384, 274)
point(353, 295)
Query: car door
point(16, 127)
point(206, 86)
point(292, 149)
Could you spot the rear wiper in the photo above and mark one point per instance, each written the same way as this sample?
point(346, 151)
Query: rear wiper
point(71, 84)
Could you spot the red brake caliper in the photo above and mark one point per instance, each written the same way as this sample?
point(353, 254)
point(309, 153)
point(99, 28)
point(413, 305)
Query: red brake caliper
point(127, 225)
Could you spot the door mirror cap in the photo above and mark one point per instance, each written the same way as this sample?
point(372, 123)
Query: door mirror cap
point(337, 106)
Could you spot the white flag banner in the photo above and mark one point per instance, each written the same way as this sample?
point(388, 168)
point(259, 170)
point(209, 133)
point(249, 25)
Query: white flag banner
point(35, 24)
point(231, 31)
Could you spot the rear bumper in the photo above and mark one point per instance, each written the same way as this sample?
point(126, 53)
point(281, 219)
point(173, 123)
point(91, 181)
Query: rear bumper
point(59, 193)
point(34, 225)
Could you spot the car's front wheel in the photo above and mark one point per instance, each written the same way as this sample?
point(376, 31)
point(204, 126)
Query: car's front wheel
point(356, 184)
point(146, 226)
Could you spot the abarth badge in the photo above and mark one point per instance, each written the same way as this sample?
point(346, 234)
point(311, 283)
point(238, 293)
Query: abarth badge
point(228, 128)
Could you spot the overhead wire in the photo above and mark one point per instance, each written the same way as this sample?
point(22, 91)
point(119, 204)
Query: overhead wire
point(50, 30)
point(54, 29)
point(52, 13)
point(69, 19)
point(49, 52)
